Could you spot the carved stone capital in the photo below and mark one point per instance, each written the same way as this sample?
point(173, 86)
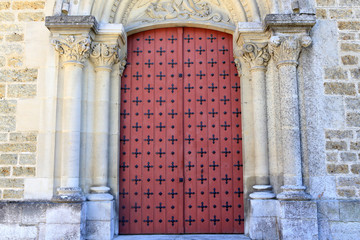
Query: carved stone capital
point(72, 48)
point(257, 55)
point(103, 55)
point(286, 49)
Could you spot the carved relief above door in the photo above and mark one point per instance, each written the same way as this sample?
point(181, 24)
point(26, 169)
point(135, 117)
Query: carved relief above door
point(181, 142)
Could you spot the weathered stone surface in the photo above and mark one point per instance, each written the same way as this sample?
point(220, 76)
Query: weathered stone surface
point(10, 27)
point(352, 103)
point(13, 194)
point(23, 137)
point(3, 137)
point(337, 168)
point(355, 168)
point(332, 157)
point(64, 213)
point(348, 3)
point(2, 61)
point(8, 159)
point(348, 157)
point(345, 230)
point(100, 210)
point(22, 75)
point(335, 73)
point(329, 209)
point(326, 3)
point(355, 145)
point(349, 60)
point(7, 107)
point(14, 37)
point(353, 119)
point(27, 159)
point(31, 16)
point(340, 14)
point(8, 231)
point(350, 25)
point(58, 231)
point(346, 36)
point(321, 13)
point(5, 171)
point(336, 145)
point(11, 183)
point(347, 193)
point(350, 47)
point(348, 182)
point(355, 73)
point(2, 91)
point(18, 147)
point(7, 17)
point(34, 5)
point(15, 61)
point(350, 211)
point(99, 229)
point(340, 88)
point(23, 171)
point(4, 5)
point(297, 209)
point(338, 134)
point(21, 90)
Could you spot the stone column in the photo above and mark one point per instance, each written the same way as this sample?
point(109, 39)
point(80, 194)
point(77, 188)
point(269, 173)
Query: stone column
point(71, 36)
point(257, 56)
point(103, 56)
point(74, 50)
point(286, 44)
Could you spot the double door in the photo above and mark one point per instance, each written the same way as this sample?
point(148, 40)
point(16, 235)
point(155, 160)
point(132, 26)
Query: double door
point(180, 141)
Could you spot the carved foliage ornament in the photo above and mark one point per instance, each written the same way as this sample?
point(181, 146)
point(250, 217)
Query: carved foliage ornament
point(183, 9)
point(103, 55)
point(73, 49)
point(257, 56)
point(286, 49)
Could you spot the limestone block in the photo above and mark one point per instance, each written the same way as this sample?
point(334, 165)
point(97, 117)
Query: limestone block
point(8, 159)
point(31, 16)
point(340, 88)
point(352, 103)
point(355, 73)
point(335, 73)
point(9, 213)
point(99, 230)
point(7, 123)
point(7, 17)
point(24, 171)
point(34, 5)
point(350, 47)
point(100, 210)
point(348, 157)
point(345, 230)
point(63, 232)
point(27, 159)
point(263, 208)
point(13, 194)
point(353, 119)
point(329, 209)
point(21, 90)
point(38, 188)
point(299, 229)
point(339, 134)
point(33, 213)
point(22, 75)
point(23, 137)
point(65, 213)
point(7, 107)
point(28, 115)
point(334, 112)
point(355, 146)
point(264, 228)
point(336, 145)
point(4, 5)
point(11, 183)
point(337, 168)
point(346, 193)
point(14, 231)
point(355, 168)
point(350, 211)
point(349, 60)
point(297, 209)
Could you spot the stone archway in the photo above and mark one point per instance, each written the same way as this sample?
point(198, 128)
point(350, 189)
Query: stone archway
point(78, 37)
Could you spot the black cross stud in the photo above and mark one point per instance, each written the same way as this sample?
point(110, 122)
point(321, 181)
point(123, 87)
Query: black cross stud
point(226, 179)
point(201, 126)
point(123, 221)
point(212, 62)
point(202, 206)
point(213, 87)
point(160, 180)
point(189, 139)
point(160, 207)
point(202, 179)
point(172, 221)
point(172, 113)
point(188, 38)
point(124, 166)
point(201, 100)
point(161, 101)
point(227, 206)
point(172, 166)
point(137, 76)
point(190, 193)
point(172, 39)
point(226, 152)
point(225, 126)
point(238, 192)
point(137, 126)
point(225, 100)
point(123, 193)
point(172, 140)
point(188, 62)
point(136, 207)
point(190, 220)
point(202, 152)
point(149, 63)
point(238, 165)
point(136, 180)
point(224, 74)
point(201, 75)
point(172, 63)
point(160, 76)
point(215, 220)
point(137, 101)
point(223, 50)
point(124, 114)
point(189, 87)
point(237, 139)
point(172, 193)
point(149, 39)
point(148, 88)
point(147, 221)
point(212, 38)
point(136, 153)
point(160, 153)
point(190, 166)
point(213, 139)
point(148, 166)
point(236, 87)
point(125, 88)
point(214, 192)
point(148, 193)
point(161, 126)
point(200, 50)
point(214, 165)
point(148, 114)
point(172, 88)
point(237, 112)
point(213, 113)
point(161, 51)
point(124, 140)
point(137, 51)
point(189, 113)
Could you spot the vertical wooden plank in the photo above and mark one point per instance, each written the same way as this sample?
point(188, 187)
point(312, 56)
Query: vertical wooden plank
point(148, 181)
point(136, 149)
point(237, 148)
point(124, 186)
point(225, 133)
point(213, 133)
point(202, 171)
point(159, 166)
point(191, 218)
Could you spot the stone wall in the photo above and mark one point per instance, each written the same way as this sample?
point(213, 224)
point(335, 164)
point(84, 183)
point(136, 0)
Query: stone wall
point(342, 89)
point(18, 83)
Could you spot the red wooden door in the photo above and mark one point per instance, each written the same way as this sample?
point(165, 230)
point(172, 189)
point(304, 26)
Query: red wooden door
point(180, 147)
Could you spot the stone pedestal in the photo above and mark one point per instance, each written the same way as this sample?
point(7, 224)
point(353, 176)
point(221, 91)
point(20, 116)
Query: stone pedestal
point(297, 220)
point(100, 219)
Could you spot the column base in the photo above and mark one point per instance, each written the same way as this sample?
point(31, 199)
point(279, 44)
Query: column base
point(262, 192)
point(293, 193)
point(100, 194)
point(68, 195)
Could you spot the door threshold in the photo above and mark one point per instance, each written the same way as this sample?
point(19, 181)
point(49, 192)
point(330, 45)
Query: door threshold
point(184, 237)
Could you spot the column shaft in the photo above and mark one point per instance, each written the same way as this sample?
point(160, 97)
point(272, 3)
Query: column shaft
point(71, 125)
point(101, 127)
